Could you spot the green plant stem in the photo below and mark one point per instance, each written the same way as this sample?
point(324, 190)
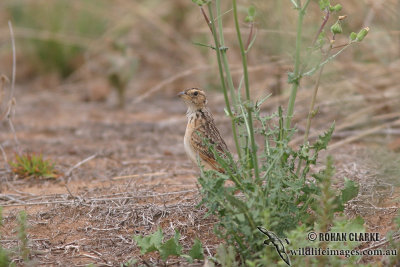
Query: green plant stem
point(296, 74)
point(313, 100)
point(311, 111)
point(224, 54)
point(247, 87)
point(211, 24)
point(229, 79)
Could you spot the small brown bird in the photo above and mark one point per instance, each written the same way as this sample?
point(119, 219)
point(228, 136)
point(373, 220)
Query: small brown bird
point(201, 126)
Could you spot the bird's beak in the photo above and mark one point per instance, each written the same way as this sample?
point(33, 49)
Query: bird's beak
point(180, 94)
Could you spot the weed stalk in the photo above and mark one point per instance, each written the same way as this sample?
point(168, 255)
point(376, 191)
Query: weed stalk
point(218, 50)
point(249, 106)
point(296, 73)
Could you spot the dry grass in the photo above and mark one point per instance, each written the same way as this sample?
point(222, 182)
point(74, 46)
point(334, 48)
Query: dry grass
point(97, 227)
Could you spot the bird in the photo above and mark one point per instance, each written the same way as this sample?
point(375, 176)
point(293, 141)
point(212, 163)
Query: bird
point(201, 126)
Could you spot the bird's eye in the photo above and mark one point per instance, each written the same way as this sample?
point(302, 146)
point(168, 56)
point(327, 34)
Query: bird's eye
point(195, 93)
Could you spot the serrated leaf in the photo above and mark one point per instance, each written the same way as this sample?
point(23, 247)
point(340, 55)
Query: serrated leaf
point(324, 139)
point(171, 247)
point(196, 252)
point(149, 243)
point(349, 191)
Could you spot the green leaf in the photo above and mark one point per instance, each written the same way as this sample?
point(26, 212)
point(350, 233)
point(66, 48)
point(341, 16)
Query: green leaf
point(4, 259)
point(293, 78)
point(350, 190)
point(324, 139)
point(171, 247)
point(236, 202)
point(204, 45)
point(356, 225)
point(196, 252)
point(226, 256)
point(149, 243)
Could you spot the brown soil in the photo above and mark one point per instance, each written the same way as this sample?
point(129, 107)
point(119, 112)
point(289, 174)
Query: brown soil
point(139, 179)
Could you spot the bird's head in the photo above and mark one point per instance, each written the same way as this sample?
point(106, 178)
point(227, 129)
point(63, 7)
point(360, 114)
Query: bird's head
point(194, 98)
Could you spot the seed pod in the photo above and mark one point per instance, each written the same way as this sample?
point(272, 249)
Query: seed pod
point(353, 36)
point(336, 28)
point(361, 35)
point(336, 8)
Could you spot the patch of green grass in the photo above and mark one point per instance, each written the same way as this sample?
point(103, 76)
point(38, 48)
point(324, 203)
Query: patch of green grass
point(33, 165)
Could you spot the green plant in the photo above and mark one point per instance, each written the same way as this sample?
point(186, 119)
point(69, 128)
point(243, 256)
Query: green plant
point(226, 256)
point(4, 254)
point(130, 263)
point(4, 259)
point(33, 165)
point(22, 251)
point(393, 237)
point(272, 184)
point(326, 205)
point(22, 236)
point(171, 247)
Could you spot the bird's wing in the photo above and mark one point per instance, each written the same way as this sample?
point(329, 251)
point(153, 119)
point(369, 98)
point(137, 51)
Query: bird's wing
point(206, 129)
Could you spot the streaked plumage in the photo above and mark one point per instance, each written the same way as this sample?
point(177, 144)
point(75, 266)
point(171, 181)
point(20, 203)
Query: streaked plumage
point(201, 126)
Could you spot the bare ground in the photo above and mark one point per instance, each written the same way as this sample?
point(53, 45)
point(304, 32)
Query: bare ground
point(136, 178)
